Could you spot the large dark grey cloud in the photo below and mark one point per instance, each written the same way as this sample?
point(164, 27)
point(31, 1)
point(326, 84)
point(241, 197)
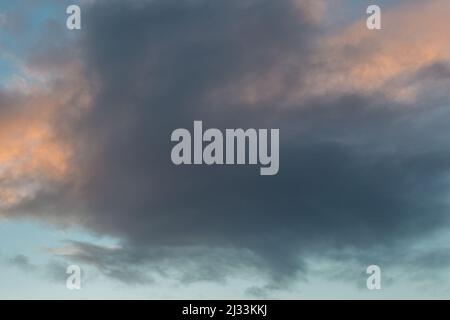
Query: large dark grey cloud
point(355, 170)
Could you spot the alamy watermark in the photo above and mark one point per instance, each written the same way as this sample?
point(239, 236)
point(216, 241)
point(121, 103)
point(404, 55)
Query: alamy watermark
point(229, 148)
point(73, 21)
point(374, 280)
point(73, 281)
point(373, 22)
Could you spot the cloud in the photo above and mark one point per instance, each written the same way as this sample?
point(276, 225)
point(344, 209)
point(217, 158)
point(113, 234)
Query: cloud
point(107, 260)
point(54, 269)
point(35, 157)
point(22, 262)
point(361, 165)
point(31, 154)
point(45, 91)
point(358, 60)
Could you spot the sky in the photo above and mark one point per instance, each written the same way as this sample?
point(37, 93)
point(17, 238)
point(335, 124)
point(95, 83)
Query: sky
point(86, 177)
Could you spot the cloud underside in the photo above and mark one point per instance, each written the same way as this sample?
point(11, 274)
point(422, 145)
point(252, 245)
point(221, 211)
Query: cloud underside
point(363, 136)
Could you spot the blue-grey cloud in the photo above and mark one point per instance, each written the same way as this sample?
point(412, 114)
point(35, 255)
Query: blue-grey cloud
point(357, 169)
